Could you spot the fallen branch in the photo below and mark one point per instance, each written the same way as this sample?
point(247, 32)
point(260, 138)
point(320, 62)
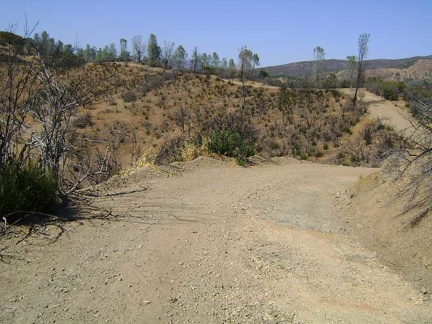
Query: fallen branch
point(419, 217)
point(12, 218)
point(126, 192)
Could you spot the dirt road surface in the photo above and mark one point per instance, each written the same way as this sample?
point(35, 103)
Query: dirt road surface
point(210, 242)
point(392, 113)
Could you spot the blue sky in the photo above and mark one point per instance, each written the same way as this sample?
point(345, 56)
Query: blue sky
point(279, 31)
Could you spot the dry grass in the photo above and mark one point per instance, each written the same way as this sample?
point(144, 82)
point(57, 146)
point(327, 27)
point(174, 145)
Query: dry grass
point(147, 109)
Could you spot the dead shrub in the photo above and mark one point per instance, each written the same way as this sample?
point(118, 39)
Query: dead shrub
point(83, 121)
point(129, 96)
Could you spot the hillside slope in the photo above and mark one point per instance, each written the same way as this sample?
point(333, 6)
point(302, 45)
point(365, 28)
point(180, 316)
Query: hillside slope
point(385, 67)
point(155, 115)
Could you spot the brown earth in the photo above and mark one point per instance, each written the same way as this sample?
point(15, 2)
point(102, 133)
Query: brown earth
point(392, 113)
point(420, 70)
point(206, 241)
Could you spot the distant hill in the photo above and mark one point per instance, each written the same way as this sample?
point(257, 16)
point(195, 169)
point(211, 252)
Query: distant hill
point(306, 67)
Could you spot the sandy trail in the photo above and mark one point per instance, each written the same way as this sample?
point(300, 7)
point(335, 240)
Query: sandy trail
point(389, 112)
point(211, 243)
point(392, 113)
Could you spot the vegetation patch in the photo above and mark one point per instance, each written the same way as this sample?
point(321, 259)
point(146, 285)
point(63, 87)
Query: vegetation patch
point(27, 188)
point(230, 143)
point(389, 90)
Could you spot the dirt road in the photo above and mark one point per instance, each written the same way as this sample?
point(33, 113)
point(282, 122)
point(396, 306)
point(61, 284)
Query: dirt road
point(393, 113)
point(210, 242)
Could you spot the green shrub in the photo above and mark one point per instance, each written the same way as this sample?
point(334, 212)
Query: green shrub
point(230, 143)
point(389, 90)
point(274, 146)
point(27, 188)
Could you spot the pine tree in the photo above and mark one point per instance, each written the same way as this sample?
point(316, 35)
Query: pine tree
point(153, 51)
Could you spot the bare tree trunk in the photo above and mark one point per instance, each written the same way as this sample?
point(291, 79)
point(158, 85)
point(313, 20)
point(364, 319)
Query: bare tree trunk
point(363, 50)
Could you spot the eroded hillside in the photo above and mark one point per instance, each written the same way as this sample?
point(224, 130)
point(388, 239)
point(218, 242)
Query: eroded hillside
point(164, 116)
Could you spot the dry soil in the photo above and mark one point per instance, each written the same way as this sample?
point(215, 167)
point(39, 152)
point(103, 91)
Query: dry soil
point(210, 242)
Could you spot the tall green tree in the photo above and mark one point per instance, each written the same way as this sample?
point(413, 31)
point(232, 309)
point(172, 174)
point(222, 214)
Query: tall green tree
point(107, 54)
point(124, 53)
point(37, 40)
point(195, 60)
point(215, 60)
point(90, 53)
point(45, 44)
point(205, 61)
point(179, 58)
point(232, 68)
point(100, 55)
point(58, 48)
point(112, 52)
point(69, 58)
point(247, 61)
point(153, 51)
